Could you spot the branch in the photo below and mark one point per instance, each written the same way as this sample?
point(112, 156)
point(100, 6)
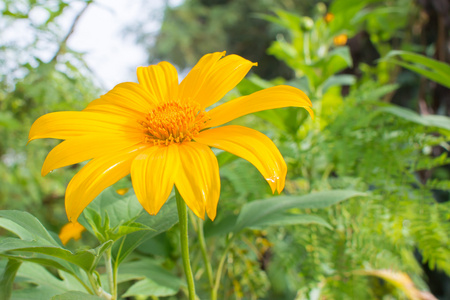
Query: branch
point(62, 44)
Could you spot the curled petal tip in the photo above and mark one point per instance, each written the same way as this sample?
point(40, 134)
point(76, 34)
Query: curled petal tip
point(310, 111)
point(44, 172)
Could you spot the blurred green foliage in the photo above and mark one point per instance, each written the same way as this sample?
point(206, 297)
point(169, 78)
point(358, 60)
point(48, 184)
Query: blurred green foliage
point(32, 87)
point(359, 140)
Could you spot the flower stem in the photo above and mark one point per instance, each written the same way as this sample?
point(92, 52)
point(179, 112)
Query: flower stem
point(98, 289)
point(111, 274)
point(183, 221)
point(201, 239)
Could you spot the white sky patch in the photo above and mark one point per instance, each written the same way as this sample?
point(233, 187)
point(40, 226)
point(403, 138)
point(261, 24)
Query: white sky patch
point(100, 34)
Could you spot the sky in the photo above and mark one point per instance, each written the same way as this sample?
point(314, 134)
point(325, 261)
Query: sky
point(110, 53)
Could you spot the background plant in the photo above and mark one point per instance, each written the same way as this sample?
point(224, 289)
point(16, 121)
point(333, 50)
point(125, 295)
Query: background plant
point(395, 159)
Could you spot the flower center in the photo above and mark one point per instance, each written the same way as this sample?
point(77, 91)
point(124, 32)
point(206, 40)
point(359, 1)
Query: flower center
point(174, 122)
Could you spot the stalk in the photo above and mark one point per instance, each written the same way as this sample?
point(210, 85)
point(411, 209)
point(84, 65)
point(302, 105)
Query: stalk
point(183, 223)
point(201, 239)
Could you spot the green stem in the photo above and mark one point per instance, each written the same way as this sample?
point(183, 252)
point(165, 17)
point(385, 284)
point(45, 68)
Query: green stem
point(220, 269)
point(183, 223)
point(98, 289)
point(201, 239)
point(111, 276)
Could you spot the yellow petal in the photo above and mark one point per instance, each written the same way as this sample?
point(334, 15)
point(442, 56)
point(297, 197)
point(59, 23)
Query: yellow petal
point(160, 80)
point(66, 124)
point(198, 180)
point(213, 77)
point(71, 231)
point(95, 176)
point(78, 149)
point(251, 145)
point(194, 80)
point(274, 97)
point(124, 99)
point(153, 174)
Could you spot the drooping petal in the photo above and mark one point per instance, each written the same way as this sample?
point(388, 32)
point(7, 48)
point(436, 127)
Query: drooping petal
point(251, 145)
point(160, 80)
point(125, 99)
point(95, 176)
point(153, 174)
point(79, 149)
point(198, 180)
point(213, 77)
point(71, 231)
point(66, 124)
point(270, 98)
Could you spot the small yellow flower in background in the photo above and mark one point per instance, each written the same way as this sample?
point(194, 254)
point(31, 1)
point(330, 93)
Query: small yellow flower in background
point(160, 131)
point(329, 17)
point(71, 231)
point(122, 192)
point(340, 40)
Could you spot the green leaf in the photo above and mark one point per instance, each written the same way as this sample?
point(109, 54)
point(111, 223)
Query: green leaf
point(72, 295)
point(337, 60)
point(25, 226)
point(120, 209)
point(37, 240)
point(40, 261)
point(155, 280)
point(130, 228)
point(285, 219)
point(147, 288)
point(255, 212)
point(46, 285)
point(339, 80)
point(86, 259)
point(429, 120)
point(111, 216)
point(163, 221)
point(428, 67)
point(6, 283)
point(220, 227)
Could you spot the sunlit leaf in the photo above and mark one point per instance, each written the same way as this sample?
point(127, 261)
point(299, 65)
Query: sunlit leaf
point(285, 219)
point(428, 120)
point(255, 212)
point(428, 67)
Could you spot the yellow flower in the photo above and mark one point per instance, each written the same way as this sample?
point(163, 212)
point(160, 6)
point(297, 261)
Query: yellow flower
point(160, 131)
point(340, 40)
point(329, 17)
point(71, 231)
